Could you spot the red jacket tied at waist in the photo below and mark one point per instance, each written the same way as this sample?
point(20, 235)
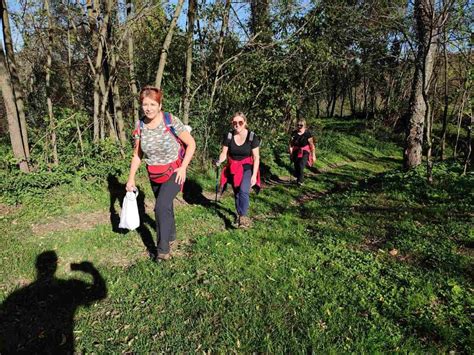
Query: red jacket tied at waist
point(299, 151)
point(236, 169)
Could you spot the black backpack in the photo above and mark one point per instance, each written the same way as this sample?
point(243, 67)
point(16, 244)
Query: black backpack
point(230, 134)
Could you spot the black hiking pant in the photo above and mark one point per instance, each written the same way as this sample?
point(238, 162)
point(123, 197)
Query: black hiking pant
point(164, 213)
point(299, 165)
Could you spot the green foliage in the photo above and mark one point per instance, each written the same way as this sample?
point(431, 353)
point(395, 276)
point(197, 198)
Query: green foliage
point(355, 261)
point(95, 160)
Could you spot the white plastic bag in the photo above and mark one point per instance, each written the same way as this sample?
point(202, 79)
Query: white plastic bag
point(129, 217)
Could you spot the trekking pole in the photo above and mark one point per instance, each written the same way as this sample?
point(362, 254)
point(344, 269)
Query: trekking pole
point(217, 184)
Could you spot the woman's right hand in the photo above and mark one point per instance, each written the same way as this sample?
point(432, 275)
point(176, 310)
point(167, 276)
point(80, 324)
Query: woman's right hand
point(130, 186)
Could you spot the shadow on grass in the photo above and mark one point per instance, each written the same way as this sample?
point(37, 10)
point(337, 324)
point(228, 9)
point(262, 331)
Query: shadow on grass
point(117, 193)
point(193, 195)
point(39, 318)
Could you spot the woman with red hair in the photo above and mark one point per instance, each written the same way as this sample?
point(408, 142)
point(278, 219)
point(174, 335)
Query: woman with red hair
point(167, 147)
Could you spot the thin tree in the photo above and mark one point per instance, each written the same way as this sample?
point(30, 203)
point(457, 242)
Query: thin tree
point(49, 51)
point(12, 114)
point(15, 80)
point(189, 61)
point(167, 43)
point(99, 84)
point(220, 52)
point(131, 60)
point(446, 97)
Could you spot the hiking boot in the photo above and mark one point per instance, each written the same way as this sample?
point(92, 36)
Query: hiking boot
point(244, 222)
point(236, 221)
point(173, 245)
point(163, 257)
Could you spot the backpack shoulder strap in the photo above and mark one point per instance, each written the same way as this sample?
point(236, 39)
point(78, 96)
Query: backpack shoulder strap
point(229, 138)
point(168, 119)
point(251, 136)
point(169, 123)
point(138, 129)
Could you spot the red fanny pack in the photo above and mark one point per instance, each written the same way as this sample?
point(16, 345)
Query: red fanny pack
point(161, 173)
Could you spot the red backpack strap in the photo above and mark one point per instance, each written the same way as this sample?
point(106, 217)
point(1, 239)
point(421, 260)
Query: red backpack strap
point(137, 132)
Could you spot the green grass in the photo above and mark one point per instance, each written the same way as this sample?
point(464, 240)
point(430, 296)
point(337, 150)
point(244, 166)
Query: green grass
point(363, 258)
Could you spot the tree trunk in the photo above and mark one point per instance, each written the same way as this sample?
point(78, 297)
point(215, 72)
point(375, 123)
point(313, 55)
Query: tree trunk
point(12, 114)
point(220, 52)
point(166, 44)
point(260, 20)
point(429, 143)
point(69, 65)
point(343, 99)
point(459, 122)
point(14, 78)
point(189, 61)
point(329, 104)
point(131, 59)
point(373, 101)
point(352, 97)
point(333, 100)
point(467, 161)
point(104, 95)
point(418, 108)
point(365, 110)
point(446, 100)
point(52, 122)
point(118, 112)
point(115, 90)
point(98, 74)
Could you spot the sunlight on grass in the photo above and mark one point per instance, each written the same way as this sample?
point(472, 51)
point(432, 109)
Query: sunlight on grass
point(362, 258)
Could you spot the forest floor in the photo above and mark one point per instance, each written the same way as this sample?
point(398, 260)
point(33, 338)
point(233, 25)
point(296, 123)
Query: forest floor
point(362, 258)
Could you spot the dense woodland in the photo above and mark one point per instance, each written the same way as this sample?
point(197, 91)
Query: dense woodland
point(71, 71)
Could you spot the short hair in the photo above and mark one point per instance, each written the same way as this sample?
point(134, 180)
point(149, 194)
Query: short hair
point(151, 92)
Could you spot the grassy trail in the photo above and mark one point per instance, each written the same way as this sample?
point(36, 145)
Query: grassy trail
point(363, 258)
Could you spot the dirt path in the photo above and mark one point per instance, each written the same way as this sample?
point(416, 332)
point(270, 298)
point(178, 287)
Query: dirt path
point(89, 220)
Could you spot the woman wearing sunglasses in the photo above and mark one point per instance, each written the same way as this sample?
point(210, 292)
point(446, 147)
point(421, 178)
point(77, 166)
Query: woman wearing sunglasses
point(302, 150)
point(241, 149)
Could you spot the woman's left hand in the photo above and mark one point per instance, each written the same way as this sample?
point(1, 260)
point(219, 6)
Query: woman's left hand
point(253, 180)
point(180, 175)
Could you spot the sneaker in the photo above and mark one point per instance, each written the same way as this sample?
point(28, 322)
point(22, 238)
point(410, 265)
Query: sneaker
point(236, 221)
point(173, 245)
point(244, 222)
point(163, 257)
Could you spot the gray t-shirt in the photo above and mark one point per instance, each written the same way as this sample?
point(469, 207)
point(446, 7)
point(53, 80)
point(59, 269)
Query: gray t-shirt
point(160, 146)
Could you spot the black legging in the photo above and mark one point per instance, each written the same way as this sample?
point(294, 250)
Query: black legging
point(164, 213)
point(299, 164)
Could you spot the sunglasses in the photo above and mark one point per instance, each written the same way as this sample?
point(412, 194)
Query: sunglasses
point(301, 125)
point(237, 123)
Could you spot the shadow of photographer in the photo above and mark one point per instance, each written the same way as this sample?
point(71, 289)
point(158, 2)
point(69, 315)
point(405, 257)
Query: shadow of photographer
point(40, 316)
